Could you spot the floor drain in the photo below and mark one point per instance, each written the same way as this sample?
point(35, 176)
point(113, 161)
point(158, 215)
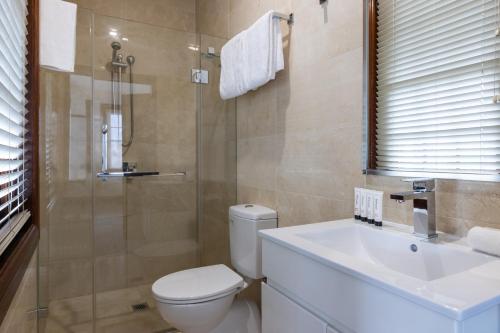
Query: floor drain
point(140, 307)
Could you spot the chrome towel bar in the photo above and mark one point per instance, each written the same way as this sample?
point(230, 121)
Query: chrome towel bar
point(288, 18)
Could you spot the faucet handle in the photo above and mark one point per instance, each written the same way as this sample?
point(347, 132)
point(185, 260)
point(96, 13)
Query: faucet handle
point(422, 184)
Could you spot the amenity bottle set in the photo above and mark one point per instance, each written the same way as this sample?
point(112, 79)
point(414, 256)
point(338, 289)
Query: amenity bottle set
point(368, 206)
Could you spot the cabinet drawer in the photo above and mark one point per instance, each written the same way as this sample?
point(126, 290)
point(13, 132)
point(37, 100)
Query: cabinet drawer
point(280, 314)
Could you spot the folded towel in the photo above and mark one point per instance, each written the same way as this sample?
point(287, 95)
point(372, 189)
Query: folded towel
point(232, 76)
point(57, 35)
point(252, 58)
point(263, 51)
point(486, 240)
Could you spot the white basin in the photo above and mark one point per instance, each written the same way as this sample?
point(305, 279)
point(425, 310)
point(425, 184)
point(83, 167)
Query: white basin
point(360, 278)
point(430, 261)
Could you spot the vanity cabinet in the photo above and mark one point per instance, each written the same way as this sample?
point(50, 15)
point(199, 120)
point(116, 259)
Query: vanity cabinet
point(303, 294)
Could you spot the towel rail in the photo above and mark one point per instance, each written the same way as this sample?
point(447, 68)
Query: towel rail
point(288, 18)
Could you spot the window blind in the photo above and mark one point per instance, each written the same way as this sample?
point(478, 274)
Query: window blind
point(13, 71)
point(437, 78)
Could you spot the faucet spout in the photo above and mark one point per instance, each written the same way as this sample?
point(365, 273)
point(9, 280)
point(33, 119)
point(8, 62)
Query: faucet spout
point(410, 195)
point(424, 206)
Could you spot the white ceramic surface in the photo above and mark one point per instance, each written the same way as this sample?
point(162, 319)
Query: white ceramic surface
point(427, 261)
point(245, 243)
point(197, 284)
point(444, 276)
point(199, 300)
point(196, 317)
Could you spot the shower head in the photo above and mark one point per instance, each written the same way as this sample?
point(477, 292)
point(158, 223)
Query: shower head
point(115, 46)
point(130, 60)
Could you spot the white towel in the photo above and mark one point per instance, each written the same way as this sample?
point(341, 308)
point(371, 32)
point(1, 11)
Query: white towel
point(252, 58)
point(57, 35)
point(486, 240)
point(233, 76)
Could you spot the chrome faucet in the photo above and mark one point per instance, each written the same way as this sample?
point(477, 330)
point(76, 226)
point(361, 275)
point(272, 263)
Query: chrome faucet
point(424, 206)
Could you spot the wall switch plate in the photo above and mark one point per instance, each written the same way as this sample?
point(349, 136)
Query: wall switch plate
point(199, 76)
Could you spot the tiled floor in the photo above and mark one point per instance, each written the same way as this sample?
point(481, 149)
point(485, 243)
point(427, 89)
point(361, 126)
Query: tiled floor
point(114, 314)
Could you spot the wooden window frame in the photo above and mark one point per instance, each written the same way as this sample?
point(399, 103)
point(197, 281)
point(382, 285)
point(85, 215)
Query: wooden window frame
point(15, 259)
point(372, 84)
point(371, 111)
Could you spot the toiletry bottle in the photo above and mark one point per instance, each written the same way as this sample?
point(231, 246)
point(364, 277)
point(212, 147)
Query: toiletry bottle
point(357, 203)
point(378, 204)
point(370, 195)
point(363, 205)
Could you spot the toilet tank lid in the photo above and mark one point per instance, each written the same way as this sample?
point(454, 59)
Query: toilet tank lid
point(253, 212)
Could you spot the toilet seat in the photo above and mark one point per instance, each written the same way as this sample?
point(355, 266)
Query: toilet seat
point(197, 285)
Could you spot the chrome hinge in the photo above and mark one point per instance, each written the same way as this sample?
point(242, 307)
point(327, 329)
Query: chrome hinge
point(199, 76)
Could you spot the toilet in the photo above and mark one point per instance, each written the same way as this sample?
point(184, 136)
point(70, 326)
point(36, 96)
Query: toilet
point(201, 300)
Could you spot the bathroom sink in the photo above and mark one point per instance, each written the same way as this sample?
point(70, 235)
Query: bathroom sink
point(351, 267)
point(425, 260)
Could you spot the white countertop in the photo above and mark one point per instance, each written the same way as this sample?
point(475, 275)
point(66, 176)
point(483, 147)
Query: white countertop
point(458, 296)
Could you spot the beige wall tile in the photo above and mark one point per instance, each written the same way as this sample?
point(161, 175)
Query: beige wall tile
point(70, 278)
point(213, 17)
point(174, 14)
point(218, 143)
point(300, 136)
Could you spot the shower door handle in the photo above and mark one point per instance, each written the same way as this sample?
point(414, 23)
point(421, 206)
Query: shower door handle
point(104, 138)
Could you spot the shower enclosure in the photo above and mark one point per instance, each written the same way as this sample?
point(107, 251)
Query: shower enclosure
point(138, 167)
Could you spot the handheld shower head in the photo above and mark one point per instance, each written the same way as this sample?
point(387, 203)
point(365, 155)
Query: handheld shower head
point(115, 46)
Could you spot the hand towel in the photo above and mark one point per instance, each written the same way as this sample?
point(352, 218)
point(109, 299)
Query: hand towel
point(252, 58)
point(57, 35)
point(486, 240)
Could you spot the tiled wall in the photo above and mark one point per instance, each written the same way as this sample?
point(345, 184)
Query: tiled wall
point(218, 160)
point(300, 136)
point(21, 316)
point(174, 14)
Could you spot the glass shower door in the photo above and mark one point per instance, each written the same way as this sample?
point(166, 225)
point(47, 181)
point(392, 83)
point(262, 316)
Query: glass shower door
point(105, 240)
point(144, 227)
point(66, 189)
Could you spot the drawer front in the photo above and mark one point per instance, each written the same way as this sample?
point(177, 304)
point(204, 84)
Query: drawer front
point(280, 314)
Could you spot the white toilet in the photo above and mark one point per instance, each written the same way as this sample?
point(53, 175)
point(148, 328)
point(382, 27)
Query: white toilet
point(200, 300)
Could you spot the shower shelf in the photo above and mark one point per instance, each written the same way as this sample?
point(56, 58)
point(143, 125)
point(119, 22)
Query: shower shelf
point(137, 174)
point(127, 174)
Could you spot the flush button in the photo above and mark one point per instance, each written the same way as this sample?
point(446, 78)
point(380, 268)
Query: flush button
point(248, 206)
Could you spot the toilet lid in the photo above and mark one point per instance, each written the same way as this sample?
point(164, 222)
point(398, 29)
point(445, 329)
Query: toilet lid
point(197, 283)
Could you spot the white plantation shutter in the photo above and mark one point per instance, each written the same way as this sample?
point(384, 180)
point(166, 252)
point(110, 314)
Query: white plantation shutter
point(437, 78)
point(13, 62)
